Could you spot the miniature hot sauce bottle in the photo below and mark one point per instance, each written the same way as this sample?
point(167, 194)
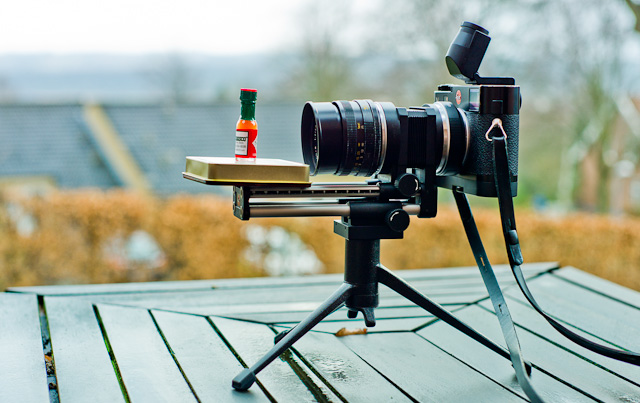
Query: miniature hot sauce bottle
point(247, 127)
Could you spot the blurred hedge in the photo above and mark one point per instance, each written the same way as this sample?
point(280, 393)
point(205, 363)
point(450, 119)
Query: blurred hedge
point(67, 235)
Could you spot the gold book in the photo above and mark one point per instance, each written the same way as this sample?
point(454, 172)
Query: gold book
point(226, 171)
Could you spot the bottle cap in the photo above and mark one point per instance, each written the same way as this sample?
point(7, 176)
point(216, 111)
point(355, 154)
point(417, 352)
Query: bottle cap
point(248, 95)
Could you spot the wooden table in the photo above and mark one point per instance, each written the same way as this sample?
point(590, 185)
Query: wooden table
point(185, 341)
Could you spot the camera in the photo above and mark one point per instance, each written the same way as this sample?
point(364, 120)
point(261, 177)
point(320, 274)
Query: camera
point(466, 141)
point(445, 143)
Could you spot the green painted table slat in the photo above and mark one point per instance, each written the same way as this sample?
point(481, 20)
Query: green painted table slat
point(326, 279)
point(593, 283)
point(526, 317)
point(148, 370)
point(22, 366)
point(556, 361)
point(384, 323)
point(444, 289)
point(185, 341)
point(354, 379)
point(83, 367)
point(250, 342)
point(217, 302)
point(493, 366)
point(295, 317)
point(593, 313)
point(203, 356)
point(425, 372)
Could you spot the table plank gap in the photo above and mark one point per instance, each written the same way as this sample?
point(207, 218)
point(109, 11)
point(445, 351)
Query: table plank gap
point(595, 314)
point(352, 377)
point(527, 318)
point(112, 356)
point(570, 369)
point(599, 285)
point(435, 274)
point(79, 351)
point(203, 356)
point(424, 371)
point(250, 341)
point(340, 315)
point(494, 366)
point(173, 356)
point(215, 301)
point(146, 366)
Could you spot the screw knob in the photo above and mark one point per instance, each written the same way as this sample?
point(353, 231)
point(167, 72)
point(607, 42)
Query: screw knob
point(408, 184)
point(398, 220)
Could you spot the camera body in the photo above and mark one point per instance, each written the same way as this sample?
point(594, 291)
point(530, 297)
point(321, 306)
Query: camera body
point(444, 144)
point(481, 104)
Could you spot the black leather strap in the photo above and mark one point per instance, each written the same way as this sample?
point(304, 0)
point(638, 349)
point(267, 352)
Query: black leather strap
point(505, 200)
point(499, 303)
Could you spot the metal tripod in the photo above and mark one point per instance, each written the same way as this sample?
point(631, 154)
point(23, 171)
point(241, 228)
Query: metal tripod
point(368, 223)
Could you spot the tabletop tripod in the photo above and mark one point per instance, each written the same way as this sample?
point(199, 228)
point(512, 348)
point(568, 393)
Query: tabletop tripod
point(367, 223)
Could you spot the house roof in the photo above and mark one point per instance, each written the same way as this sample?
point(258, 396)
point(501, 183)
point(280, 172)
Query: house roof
point(49, 140)
point(55, 141)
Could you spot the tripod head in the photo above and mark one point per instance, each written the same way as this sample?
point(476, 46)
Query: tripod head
point(369, 210)
point(277, 188)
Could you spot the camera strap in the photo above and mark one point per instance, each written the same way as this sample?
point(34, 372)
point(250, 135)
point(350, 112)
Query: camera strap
point(495, 293)
point(507, 216)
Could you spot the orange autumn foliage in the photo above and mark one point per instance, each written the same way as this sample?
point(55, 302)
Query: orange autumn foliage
point(68, 238)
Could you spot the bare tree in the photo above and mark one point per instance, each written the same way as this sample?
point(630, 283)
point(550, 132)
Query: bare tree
point(323, 71)
point(569, 54)
point(417, 34)
point(174, 77)
point(635, 8)
point(594, 35)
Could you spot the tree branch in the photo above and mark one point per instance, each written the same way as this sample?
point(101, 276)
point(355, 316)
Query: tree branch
point(635, 8)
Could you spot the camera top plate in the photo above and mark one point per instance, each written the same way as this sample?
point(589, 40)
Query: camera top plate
point(226, 171)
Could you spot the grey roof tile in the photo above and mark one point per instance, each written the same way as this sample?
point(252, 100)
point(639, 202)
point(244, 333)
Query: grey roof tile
point(47, 140)
point(51, 140)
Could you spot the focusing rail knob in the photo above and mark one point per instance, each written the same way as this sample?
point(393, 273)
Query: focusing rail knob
point(408, 184)
point(398, 220)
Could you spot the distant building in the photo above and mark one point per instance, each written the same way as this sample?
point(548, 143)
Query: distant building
point(141, 147)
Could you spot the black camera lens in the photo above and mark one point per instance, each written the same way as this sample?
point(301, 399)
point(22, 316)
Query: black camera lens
point(365, 138)
point(344, 137)
point(321, 135)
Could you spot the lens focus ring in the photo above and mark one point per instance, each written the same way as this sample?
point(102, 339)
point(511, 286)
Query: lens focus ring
point(367, 148)
point(350, 137)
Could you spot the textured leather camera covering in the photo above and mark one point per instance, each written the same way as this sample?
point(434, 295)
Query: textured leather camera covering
point(479, 159)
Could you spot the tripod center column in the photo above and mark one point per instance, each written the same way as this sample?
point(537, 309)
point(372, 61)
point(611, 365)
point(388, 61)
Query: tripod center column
point(361, 262)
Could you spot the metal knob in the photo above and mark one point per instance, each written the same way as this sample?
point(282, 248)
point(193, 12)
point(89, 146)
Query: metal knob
point(408, 184)
point(398, 220)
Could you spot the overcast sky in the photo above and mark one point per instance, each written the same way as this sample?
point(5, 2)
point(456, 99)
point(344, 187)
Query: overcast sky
point(132, 26)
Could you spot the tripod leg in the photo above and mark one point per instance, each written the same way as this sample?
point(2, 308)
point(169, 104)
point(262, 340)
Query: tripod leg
point(283, 333)
point(403, 288)
point(247, 377)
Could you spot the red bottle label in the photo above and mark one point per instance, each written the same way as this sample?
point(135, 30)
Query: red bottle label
point(246, 143)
